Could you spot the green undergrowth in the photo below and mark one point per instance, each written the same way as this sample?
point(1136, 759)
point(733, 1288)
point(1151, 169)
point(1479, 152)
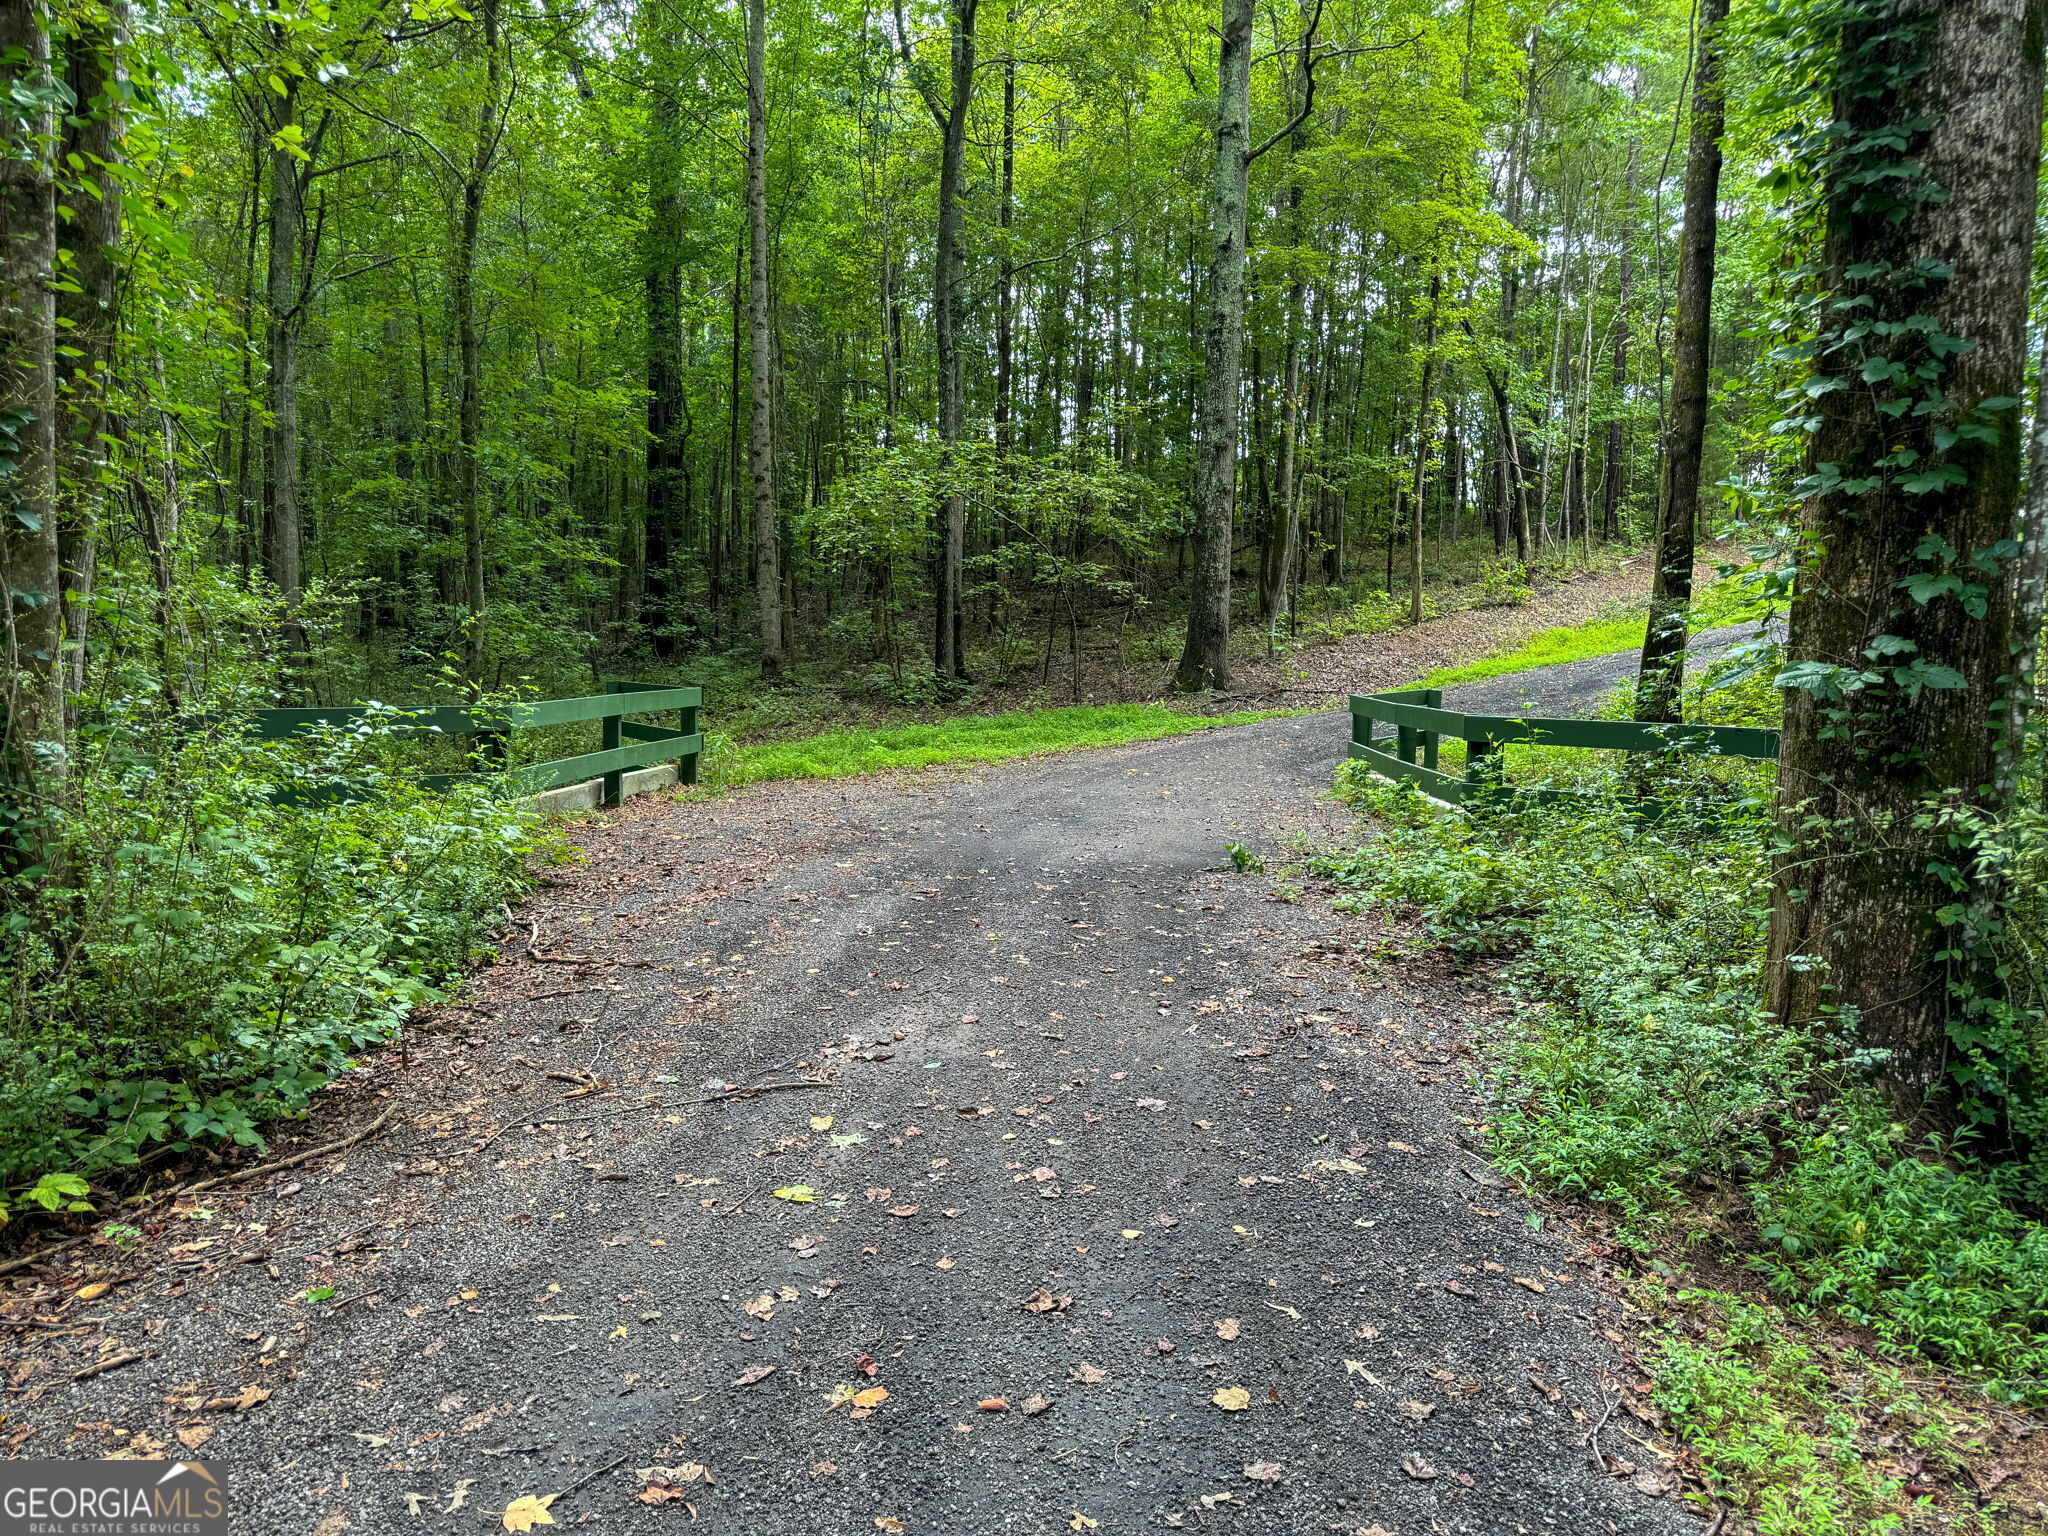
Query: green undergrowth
point(1807, 1435)
point(1635, 1068)
point(962, 739)
point(223, 938)
point(1639, 1070)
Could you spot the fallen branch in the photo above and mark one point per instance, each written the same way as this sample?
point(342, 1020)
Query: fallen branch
point(709, 1098)
point(293, 1161)
point(27, 1260)
point(114, 1364)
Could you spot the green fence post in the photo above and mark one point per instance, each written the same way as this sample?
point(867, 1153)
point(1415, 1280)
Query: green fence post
point(1482, 769)
point(686, 769)
point(1404, 742)
point(615, 781)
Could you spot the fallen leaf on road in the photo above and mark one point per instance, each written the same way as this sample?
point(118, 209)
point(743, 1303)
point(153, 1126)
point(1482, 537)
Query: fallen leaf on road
point(192, 1436)
point(1547, 1388)
point(867, 1400)
point(524, 1513)
point(1341, 1165)
point(413, 1501)
point(752, 1374)
point(94, 1291)
point(902, 1210)
point(824, 1468)
point(1044, 1301)
point(1460, 1288)
point(1090, 1374)
point(762, 1306)
point(1357, 1368)
point(1154, 1104)
point(946, 1263)
point(994, 1405)
point(866, 1365)
point(1530, 1285)
point(1414, 1410)
point(241, 1402)
point(890, 1524)
point(1417, 1468)
point(1228, 1328)
point(1081, 1522)
point(1402, 1146)
point(797, 1194)
point(1232, 1398)
point(877, 1195)
point(1263, 1471)
point(1035, 1404)
point(821, 1122)
point(1211, 1500)
point(459, 1494)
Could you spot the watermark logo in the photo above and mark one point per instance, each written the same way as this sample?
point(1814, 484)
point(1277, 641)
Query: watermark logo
point(113, 1498)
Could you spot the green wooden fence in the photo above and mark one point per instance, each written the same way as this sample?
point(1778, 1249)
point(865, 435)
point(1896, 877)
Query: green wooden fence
point(628, 743)
point(1421, 723)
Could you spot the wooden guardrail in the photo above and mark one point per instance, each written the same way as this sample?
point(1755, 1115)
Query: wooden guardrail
point(628, 744)
point(1421, 723)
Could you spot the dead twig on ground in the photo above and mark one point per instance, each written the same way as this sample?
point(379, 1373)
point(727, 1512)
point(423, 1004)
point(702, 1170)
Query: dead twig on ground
point(376, 1125)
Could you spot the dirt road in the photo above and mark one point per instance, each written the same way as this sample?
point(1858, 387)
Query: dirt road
point(1117, 1138)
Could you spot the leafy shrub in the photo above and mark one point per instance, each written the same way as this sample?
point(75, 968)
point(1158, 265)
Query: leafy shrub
point(1640, 1068)
point(226, 935)
point(1763, 1413)
point(1503, 583)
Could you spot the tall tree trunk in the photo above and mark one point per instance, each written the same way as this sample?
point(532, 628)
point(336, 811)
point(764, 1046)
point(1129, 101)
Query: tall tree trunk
point(89, 232)
point(1205, 661)
point(1685, 428)
point(1276, 565)
point(470, 414)
point(283, 559)
point(947, 295)
point(1903, 622)
point(761, 362)
point(32, 731)
point(665, 465)
point(1006, 212)
point(1422, 436)
point(1611, 469)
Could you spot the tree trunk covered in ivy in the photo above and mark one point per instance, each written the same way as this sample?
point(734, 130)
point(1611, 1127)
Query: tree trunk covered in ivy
point(1903, 633)
point(89, 231)
point(32, 730)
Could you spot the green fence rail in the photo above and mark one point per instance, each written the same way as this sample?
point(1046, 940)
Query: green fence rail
point(1421, 723)
point(628, 744)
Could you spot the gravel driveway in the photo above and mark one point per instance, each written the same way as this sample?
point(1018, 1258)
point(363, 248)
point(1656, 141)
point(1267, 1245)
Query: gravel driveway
point(1144, 1196)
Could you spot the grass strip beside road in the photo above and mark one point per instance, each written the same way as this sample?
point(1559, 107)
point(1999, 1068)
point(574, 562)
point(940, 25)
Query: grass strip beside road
point(966, 739)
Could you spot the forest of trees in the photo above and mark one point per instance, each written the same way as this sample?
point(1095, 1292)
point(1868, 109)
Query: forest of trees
point(380, 349)
point(527, 334)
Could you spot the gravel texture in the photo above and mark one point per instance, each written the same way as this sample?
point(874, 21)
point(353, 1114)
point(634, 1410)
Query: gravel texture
point(1067, 1052)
